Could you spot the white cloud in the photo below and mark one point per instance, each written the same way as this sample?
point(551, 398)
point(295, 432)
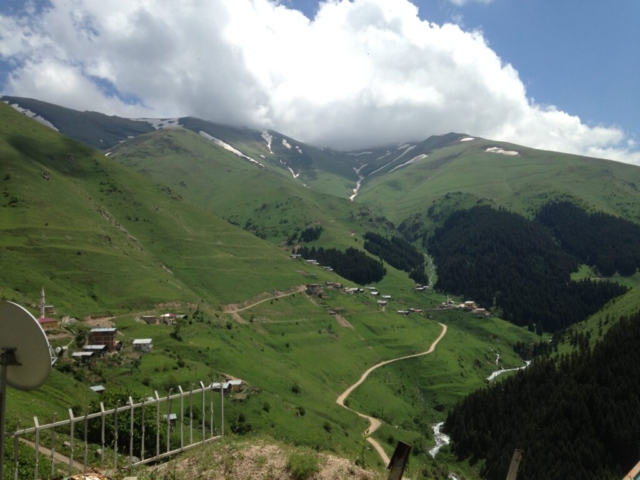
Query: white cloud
point(360, 73)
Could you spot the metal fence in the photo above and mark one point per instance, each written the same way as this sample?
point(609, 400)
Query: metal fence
point(79, 426)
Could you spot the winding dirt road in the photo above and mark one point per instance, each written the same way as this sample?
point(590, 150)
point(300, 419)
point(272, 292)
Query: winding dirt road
point(374, 423)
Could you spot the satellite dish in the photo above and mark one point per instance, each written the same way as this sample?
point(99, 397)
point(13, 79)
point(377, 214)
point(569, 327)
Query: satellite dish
point(21, 332)
point(25, 357)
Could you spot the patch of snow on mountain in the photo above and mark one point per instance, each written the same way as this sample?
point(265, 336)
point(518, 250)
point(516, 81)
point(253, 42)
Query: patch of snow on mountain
point(357, 170)
point(359, 182)
point(268, 138)
point(107, 154)
point(228, 147)
point(298, 149)
point(501, 151)
point(415, 159)
point(262, 156)
point(286, 144)
point(37, 118)
point(295, 175)
point(160, 123)
point(467, 139)
point(407, 148)
point(360, 153)
point(385, 155)
point(404, 145)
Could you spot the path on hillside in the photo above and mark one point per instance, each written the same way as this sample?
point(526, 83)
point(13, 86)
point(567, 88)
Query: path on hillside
point(60, 458)
point(234, 309)
point(374, 423)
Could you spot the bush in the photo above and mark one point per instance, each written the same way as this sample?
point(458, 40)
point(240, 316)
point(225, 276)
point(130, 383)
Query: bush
point(295, 388)
point(327, 426)
point(303, 466)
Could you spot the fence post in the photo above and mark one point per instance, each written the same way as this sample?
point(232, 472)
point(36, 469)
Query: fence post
point(204, 415)
point(221, 409)
point(169, 420)
point(191, 415)
point(211, 407)
point(143, 423)
point(181, 417)
point(157, 424)
point(103, 440)
point(37, 452)
point(131, 433)
point(53, 447)
point(115, 436)
point(72, 425)
point(86, 433)
point(15, 452)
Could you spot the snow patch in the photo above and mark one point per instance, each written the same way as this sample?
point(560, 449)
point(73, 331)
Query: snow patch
point(107, 154)
point(160, 123)
point(360, 153)
point(467, 139)
point(262, 156)
point(501, 151)
point(30, 114)
point(268, 138)
point(385, 155)
point(359, 182)
point(415, 159)
point(295, 175)
point(298, 149)
point(407, 148)
point(228, 147)
point(286, 144)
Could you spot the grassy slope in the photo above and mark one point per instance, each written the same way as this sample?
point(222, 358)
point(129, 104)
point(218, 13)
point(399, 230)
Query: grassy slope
point(100, 237)
point(519, 183)
point(241, 191)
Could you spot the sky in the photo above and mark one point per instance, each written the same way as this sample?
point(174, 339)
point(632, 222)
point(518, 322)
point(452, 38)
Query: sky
point(552, 74)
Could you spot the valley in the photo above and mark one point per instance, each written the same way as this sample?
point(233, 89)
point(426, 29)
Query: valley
point(122, 220)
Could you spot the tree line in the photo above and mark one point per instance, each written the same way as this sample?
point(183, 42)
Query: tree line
point(576, 416)
point(505, 262)
point(608, 243)
point(398, 253)
point(351, 264)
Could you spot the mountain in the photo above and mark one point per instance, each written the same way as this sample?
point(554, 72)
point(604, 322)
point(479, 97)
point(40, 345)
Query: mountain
point(199, 219)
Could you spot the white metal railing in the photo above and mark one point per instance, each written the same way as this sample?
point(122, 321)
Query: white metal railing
point(158, 451)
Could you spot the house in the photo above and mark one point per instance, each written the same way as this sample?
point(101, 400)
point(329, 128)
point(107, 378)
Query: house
point(403, 312)
point(382, 303)
point(48, 323)
point(469, 305)
point(172, 417)
point(332, 312)
point(328, 284)
point(313, 289)
point(104, 336)
point(149, 319)
point(295, 256)
point(97, 350)
point(328, 269)
point(143, 344)
point(84, 357)
point(420, 289)
point(235, 384)
point(337, 286)
point(374, 293)
point(49, 310)
point(388, 297)
point(98, 389)
point(168, 318)
point(480, 312)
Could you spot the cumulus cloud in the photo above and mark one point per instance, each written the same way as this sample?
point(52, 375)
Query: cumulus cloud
point(460, 3)
point(360, 73)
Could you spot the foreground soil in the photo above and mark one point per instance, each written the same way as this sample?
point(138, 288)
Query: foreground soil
point(259, 460)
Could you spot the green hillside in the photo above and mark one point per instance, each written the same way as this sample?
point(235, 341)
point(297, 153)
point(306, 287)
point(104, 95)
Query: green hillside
point(520, 183)
point(266, 201)
point(100, 237)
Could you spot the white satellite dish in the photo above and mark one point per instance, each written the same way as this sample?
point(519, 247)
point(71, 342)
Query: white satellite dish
point(25, 357)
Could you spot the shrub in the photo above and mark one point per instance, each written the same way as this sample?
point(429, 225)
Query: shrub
point(327, 426)
point(295, 388)
point(302, 466)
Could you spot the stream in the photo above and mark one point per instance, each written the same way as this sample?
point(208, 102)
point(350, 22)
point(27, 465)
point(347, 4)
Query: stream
point(503, 370)
point(360, 178)
point(440, 438)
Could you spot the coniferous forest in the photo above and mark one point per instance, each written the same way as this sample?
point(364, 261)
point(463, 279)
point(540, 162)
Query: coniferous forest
point(352, 264)
point(503, 261)
point(608, 243)
point(398, 253)
point(576, 417)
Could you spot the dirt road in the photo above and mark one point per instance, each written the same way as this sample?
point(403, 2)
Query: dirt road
point(374, 423)
point(234, 309)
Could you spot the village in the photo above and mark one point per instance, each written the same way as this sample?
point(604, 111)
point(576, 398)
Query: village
point(102, 341)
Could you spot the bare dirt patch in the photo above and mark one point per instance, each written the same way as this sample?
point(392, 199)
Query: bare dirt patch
point(343, 322)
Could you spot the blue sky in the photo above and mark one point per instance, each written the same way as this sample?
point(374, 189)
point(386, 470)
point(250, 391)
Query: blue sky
point(551, 74)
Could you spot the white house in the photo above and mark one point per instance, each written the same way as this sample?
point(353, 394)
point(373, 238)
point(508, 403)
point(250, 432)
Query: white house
point(143, 344)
